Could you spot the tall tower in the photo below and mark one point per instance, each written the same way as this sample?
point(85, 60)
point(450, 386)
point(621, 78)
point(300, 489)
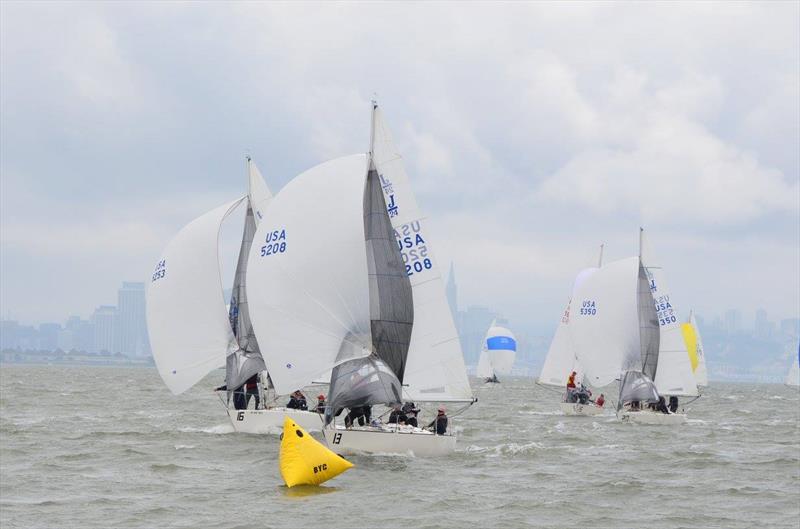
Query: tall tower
point(452, 292)
point(132, 329)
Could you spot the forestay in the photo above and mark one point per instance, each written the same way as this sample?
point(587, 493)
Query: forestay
point(674, 374)
point(435, 368)
point(307, 275)
point(188, 324)
point(604, 321)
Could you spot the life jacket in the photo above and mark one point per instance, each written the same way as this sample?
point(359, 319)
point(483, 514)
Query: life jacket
point(571, 381)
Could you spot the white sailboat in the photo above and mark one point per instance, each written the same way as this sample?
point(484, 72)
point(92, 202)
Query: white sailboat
point(793, 378)
point(562, 360)
point(627, 331)
point(497, 353)
point(192, 332)
point(349, 284)
point(694, 345)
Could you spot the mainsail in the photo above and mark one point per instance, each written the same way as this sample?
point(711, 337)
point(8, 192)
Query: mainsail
point(378, 378)
point(190, 332)
point(434, 368)
point(246, 361)
point(674, 374)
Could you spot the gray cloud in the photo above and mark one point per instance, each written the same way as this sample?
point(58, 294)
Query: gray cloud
point(532, 132)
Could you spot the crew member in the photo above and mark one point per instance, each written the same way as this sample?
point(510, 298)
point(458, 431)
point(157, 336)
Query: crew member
point(439, 424)
point(600, 401)
point(297, 401)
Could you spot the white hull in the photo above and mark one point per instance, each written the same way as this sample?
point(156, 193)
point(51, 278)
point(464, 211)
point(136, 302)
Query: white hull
point(574, 408)
point(270, 421)
point(388, 440)
point(651, 417)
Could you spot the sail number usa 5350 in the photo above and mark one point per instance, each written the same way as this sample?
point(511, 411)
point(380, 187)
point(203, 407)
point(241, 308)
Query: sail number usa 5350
point(276, 243)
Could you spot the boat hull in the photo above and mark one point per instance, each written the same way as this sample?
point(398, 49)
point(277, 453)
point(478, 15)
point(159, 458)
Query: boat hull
point(270, 421)
point(652, 417)
point(577, 409)
point(383, 440)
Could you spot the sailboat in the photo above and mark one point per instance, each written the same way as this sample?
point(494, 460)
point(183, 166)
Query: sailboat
point(627, 330)
point(349, 283)
point(793, 378)
point(694, 345)
point(193, 333)
point(562, 359)
point(497, 354)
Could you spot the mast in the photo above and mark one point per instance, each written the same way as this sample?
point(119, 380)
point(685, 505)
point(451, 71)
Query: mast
point(600, 260)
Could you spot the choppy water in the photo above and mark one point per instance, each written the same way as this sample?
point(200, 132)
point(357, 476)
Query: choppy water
point(110, 447)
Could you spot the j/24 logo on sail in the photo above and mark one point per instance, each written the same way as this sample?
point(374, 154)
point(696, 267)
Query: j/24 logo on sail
point(276, 243)
point(161, 270)
point(588, 307)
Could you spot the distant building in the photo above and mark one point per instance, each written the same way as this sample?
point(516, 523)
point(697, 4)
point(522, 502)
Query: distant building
point(48, 336)
point(790, 327)
point(733, 321)
point(131, 330)
point(9, 332)
point(104, 322)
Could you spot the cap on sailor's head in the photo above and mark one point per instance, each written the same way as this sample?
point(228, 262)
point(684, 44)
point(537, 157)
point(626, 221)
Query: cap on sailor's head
point(442, 409)
point(321, 396)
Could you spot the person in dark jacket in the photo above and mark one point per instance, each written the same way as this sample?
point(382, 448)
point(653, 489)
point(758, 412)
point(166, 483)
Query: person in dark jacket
point(362, 414)
point(673, 404)
point(297, 401)
point(251, 390)
point(439, 424)
point(238, 396)
point(411, 412)
point(321, 404)
point(662, 405)
point(397, 416)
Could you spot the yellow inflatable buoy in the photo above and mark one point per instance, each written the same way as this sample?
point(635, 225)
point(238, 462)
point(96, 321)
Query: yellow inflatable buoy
point(306, 461)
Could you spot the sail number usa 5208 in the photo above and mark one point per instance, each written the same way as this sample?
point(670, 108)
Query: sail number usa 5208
point(276, 243)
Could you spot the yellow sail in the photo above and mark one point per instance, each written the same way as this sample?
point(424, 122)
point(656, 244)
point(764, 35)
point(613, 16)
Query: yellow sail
point(306, 461)
point(690, 338)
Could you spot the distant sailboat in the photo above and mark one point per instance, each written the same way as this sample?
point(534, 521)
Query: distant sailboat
point(349, 284)
point(191, 331)
point(694, 345)
point(627, 330)
point(793, 378)
point(497, 354)
point(562, 360)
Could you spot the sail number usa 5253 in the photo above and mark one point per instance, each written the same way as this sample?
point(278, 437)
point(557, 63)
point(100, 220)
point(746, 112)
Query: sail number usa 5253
point(161, 270)
point(276, 243)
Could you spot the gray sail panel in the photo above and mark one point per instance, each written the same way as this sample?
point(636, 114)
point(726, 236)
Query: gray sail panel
point(362, 382)
point(636, 386)
point(649, 332)
point(247, 361)
point(391, 302)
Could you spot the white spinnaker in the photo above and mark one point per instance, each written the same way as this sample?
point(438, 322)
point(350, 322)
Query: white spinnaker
point(701, 373)
point(190, 333)
point(260, 195)
point(435, 368)
point(309, 299)
point(484, 368)
point(674, 371)
point(604, 321)
point(501, 349)
point(561, 359)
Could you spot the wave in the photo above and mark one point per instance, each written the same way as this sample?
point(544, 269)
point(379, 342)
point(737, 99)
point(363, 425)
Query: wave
point(217, 430)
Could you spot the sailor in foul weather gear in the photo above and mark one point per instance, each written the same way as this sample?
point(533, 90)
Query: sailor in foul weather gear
point(297, 401)
point(439, 424)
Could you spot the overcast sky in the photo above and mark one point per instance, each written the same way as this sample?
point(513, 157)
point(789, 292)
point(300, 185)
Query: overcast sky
point(531, 133)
